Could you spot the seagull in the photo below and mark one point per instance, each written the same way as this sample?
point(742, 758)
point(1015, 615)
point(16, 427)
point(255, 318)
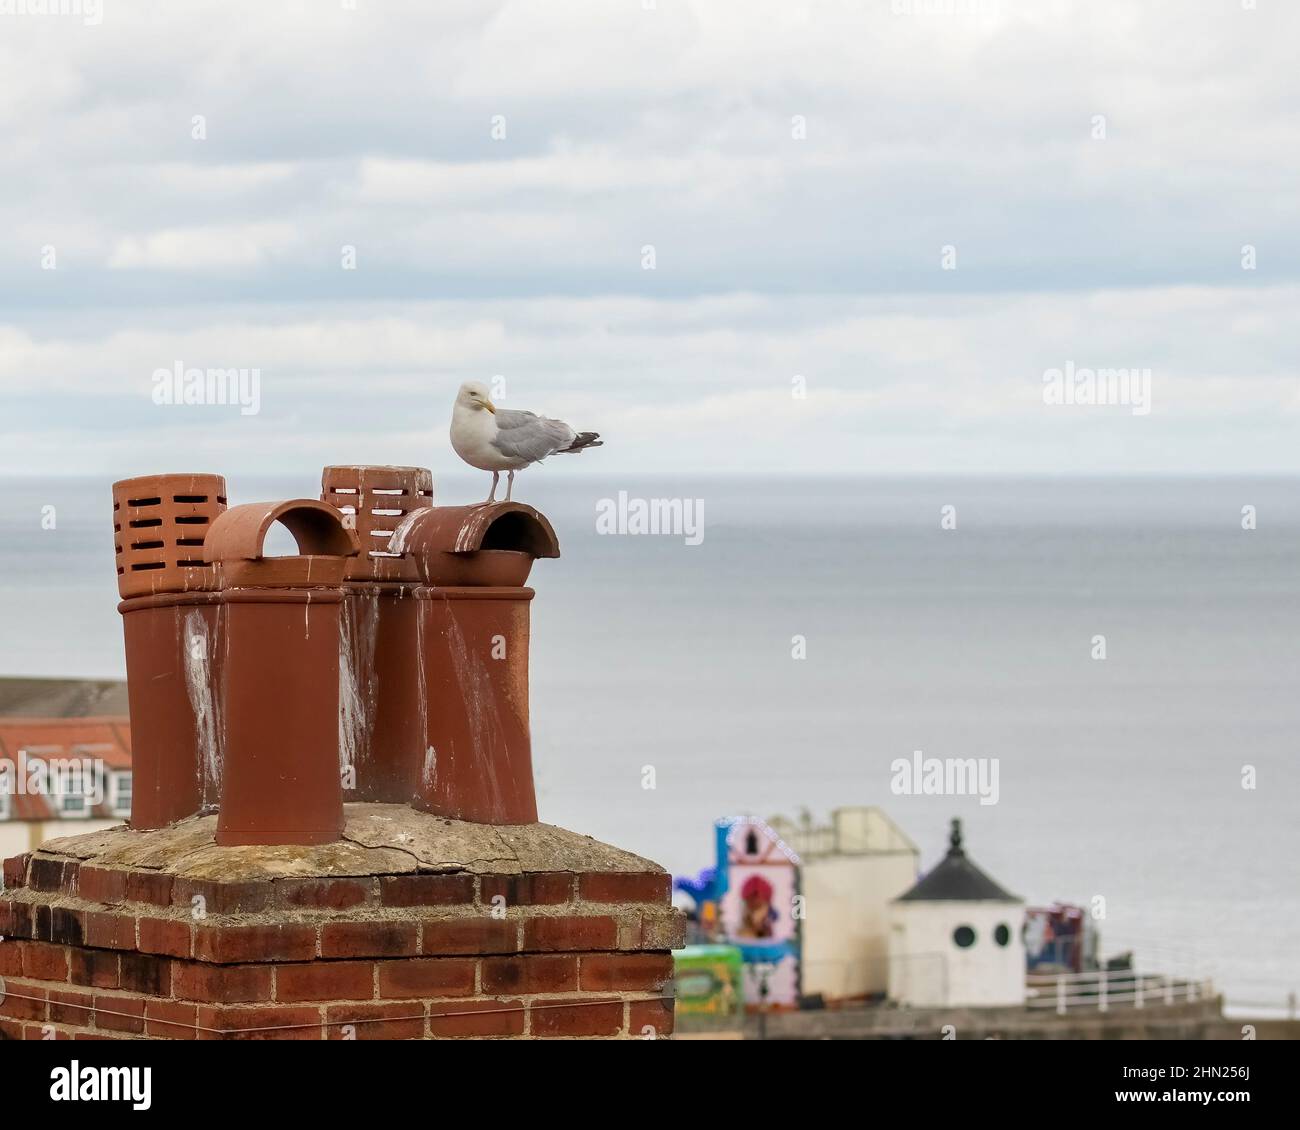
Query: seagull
point(504, 439)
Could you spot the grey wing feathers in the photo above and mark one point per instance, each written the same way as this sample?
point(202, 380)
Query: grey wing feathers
point(508, 418)
point(524, 435)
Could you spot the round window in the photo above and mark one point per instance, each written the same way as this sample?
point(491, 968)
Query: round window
point(964, 936)
point(1002, 934)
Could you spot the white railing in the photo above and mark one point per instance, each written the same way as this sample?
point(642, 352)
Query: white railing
point(1104, 989)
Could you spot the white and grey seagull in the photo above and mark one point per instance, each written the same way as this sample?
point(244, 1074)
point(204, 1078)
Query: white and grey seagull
point(505, 439)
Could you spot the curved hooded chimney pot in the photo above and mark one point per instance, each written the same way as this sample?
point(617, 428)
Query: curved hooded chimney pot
point(492, 543)
point(236, 543)
point(474, 635)
point(280, 679)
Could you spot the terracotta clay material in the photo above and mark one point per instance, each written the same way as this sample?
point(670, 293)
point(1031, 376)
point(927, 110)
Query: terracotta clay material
point(491, 543)
point(235, 545)
point(478, 762)
point(171, 626)
point(382, 723)
point(172, 653)
point(497, 568)
point(280, 685)
point(382, 696)
point(377, 499)
point(159, 526)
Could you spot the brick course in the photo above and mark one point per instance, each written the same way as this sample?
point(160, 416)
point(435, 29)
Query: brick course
point(95, 950)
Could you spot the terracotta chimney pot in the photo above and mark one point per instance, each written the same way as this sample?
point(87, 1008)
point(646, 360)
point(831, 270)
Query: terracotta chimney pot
point(171, 628)
point(280, 685)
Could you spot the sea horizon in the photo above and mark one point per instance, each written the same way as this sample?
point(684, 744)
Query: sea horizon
point(1119, 778)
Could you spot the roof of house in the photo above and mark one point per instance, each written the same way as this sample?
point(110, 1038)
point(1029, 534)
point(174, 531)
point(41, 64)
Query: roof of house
point(105, 740)
point(62, 698)
point(956, 879)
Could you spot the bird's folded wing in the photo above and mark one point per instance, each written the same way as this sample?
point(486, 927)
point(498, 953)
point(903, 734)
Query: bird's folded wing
point(507, 418)
point(530, 437)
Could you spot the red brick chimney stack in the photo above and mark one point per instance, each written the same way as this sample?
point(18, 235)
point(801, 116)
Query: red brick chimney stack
point(357, 717)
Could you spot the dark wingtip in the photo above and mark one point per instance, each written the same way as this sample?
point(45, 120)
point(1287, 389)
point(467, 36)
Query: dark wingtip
point(582, 441)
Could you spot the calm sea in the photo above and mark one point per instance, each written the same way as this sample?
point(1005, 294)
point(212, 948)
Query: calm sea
point(1120, 778)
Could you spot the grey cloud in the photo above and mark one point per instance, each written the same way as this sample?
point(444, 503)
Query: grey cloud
point(669, 127)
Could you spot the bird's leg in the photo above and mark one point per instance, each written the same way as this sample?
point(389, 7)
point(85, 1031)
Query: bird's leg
point(492, 494)
point(510, 485)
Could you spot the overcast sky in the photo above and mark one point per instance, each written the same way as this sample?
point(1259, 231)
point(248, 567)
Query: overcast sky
point(798, 169)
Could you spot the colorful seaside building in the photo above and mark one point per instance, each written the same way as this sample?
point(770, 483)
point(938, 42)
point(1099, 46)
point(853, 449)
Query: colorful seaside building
point(749, 900)
point(833, 914)
point(807, 906)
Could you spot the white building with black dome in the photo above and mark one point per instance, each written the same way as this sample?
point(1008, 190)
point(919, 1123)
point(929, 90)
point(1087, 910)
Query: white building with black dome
point(956, 938)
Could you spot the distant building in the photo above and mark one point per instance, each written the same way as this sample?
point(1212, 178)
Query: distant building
point(62, 698)
point(759, 911)
point(1060, 939)
point(957, 938)
point(749, 900)
point(61, 772)
point(850, 871)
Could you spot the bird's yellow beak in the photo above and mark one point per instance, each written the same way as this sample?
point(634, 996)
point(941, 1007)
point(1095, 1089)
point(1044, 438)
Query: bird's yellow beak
point(490, 407)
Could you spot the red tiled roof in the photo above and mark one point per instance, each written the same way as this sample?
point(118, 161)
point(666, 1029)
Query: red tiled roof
point(107, 740)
